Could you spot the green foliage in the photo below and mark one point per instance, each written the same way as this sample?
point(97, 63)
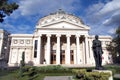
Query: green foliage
point(6, 8)
point(82, 74)
point(32, 73)
point(114, 47)
point(37, 75)
point(53, 68)
point(114, 68)
point(22, 64)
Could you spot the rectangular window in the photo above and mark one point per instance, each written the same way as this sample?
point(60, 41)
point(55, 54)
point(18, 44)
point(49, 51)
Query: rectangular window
point(35, 54)
point(35, 48)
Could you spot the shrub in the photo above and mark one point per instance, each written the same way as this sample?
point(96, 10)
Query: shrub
point(84, 75)
point(53, 68)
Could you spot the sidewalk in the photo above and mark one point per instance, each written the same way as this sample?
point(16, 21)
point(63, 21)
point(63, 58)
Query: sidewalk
point(117, 76)
point(58, 78)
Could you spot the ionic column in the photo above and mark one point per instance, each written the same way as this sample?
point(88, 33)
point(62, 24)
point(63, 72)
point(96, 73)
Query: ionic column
point(48, 55)
point(39, 49)
point(67, 55)
point(86, 49)
point(58, 50)
point(78, 49)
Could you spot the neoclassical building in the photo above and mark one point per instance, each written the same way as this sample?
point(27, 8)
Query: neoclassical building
point(59, 38)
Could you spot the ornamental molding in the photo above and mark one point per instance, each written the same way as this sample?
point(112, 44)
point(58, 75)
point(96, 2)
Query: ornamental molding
point(59, 16)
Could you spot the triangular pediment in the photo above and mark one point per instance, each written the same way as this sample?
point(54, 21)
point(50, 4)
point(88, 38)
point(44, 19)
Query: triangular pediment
point(64, 25)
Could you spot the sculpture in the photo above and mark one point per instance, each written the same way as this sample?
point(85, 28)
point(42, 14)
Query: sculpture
point(97, 52)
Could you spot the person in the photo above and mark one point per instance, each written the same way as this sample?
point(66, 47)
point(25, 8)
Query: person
point(97, 52)
point(44, 61)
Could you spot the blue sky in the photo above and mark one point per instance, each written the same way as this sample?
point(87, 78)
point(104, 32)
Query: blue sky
point(102, 16)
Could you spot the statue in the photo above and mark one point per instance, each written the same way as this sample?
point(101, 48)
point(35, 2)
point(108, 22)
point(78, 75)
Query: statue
point(97, 51)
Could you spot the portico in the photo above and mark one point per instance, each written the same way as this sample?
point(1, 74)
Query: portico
point(60, 49)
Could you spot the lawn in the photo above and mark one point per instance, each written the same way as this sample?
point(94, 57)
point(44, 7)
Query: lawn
point(14, 75)
point(48, 71)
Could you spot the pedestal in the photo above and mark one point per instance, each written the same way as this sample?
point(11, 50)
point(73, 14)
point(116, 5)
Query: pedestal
point(105, 71)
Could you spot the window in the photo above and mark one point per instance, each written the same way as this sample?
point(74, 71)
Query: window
point(72, 58)
point(35, 45)
point(35, 54)
point(35, 48)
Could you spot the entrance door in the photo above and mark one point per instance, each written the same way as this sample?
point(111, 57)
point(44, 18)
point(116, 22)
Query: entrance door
point(53, 57)
point(62, 57)
point(71, 57)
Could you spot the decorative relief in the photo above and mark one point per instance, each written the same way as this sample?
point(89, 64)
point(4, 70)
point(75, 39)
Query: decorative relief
point(15, 41)
point(21, 41)
point(60, 16)
point(27, 41)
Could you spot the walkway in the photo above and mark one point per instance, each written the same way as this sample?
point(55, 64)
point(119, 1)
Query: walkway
point(58, 78)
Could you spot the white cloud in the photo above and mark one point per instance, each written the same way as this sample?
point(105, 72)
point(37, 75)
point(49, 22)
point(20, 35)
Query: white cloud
point(16, 29)
point(110, 7)
point(104, 14)
point(112, 30)
point(42, 7)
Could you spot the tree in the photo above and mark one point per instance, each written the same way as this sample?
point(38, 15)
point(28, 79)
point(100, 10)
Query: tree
point(22, 64)
point(114, 46)
point(6, 8)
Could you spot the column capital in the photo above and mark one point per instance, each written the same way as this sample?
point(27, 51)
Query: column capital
point(77, 35)
point(68, 35)
point(48, 35)
point(39, 35)
point(86, 35)
point(58, 35)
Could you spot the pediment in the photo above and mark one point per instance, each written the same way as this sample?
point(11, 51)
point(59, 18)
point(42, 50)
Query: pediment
point(63, 25)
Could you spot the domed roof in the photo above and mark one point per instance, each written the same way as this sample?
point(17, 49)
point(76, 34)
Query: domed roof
point(60, 15)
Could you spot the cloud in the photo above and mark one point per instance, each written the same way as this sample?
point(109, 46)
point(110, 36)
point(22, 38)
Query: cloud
point(110, 7)
point(42, 7)
point(104, 15)
point(24, 19)
point(16, 29)
point(112, 30)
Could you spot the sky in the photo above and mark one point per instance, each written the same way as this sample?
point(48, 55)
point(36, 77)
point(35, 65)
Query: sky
point(102, 16)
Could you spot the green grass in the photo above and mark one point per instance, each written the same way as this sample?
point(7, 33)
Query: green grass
point(14, 75)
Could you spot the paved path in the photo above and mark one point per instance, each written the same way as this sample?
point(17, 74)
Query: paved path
point(58, 78)
point(117, 76)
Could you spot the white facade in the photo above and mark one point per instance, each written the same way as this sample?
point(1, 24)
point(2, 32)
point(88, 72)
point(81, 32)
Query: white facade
point(59, 38)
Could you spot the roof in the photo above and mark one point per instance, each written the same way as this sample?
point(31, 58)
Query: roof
point(59, 16)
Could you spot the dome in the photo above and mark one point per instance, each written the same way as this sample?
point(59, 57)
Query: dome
point(59, 15)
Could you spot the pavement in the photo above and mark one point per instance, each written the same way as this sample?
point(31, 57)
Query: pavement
point(117, 76)
point(58, 78)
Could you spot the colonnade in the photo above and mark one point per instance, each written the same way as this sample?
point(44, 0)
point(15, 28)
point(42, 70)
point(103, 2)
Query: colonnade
point(67, 58)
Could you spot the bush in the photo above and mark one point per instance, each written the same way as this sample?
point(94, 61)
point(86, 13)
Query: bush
point(53, 68)
point(84, 75)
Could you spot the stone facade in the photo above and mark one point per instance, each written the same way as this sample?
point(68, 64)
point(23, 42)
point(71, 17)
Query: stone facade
point(59, 38)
